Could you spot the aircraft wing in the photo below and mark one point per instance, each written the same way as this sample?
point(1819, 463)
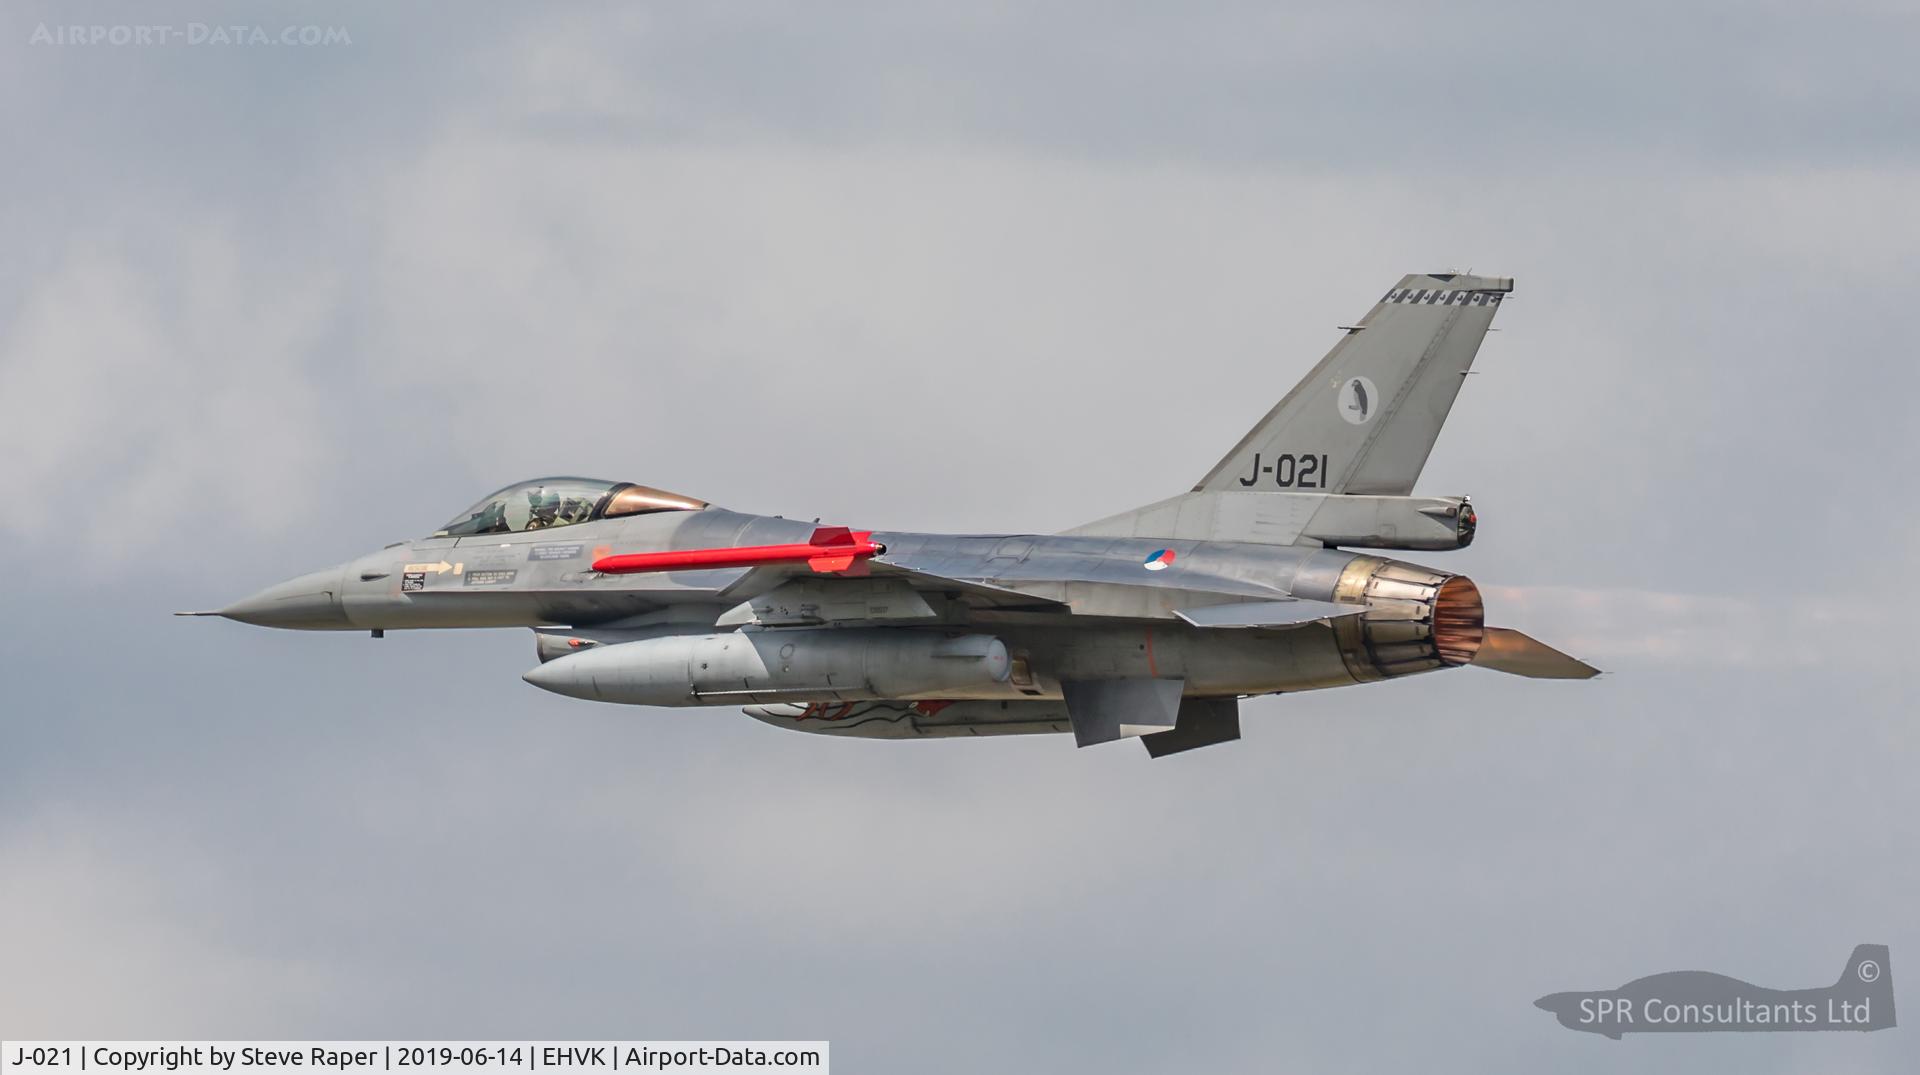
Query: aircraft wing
point(980, 593)
point(891, 592)
point(874, 591)
point(843, 576)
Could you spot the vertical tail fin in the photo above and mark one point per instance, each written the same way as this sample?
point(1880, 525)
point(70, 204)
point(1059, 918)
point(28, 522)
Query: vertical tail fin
point(1365, 419)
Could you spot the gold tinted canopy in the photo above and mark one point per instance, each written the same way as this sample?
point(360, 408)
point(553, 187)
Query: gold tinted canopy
point(545, 503)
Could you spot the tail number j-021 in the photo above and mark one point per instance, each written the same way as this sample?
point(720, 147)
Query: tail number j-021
point(1290, 471)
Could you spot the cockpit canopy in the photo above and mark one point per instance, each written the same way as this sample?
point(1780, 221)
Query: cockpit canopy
point(545, 503)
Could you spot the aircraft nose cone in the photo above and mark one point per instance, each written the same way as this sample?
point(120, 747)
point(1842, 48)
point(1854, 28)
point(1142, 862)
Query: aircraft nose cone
point(310, 602)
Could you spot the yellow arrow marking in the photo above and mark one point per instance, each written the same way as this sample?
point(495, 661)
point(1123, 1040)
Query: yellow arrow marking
point(437, 569)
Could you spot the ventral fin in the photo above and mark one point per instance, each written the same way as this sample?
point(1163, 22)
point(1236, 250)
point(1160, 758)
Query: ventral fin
point(1103, 710)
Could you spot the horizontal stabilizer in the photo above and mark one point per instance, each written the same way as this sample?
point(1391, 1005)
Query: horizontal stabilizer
point(1203, 722)
point(1288, 613)
point(1103, 710)
point(1509, 651)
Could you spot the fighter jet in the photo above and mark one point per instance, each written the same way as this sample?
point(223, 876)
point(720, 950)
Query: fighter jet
point(1152, 623)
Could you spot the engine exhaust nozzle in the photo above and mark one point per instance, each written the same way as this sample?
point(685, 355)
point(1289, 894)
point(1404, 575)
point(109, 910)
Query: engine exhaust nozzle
point(1417, 619)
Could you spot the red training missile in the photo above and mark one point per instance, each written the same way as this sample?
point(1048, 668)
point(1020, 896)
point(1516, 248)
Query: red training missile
point(832, 548)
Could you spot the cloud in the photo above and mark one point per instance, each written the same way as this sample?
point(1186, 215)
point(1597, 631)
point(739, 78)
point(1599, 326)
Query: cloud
point(120, 939)
point(1371, 86)
point(505, 304)
point(136, 398)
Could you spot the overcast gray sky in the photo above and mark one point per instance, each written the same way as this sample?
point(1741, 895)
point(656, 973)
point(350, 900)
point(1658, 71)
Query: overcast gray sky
point(979, 267)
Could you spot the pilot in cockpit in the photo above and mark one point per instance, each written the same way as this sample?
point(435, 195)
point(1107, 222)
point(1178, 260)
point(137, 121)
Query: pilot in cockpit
point(551, 502)
point(543, 508)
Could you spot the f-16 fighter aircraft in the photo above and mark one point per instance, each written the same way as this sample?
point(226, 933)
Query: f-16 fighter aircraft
point(1152, 623)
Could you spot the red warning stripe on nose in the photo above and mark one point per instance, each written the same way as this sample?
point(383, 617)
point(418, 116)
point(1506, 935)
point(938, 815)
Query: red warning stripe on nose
point(832, 548)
